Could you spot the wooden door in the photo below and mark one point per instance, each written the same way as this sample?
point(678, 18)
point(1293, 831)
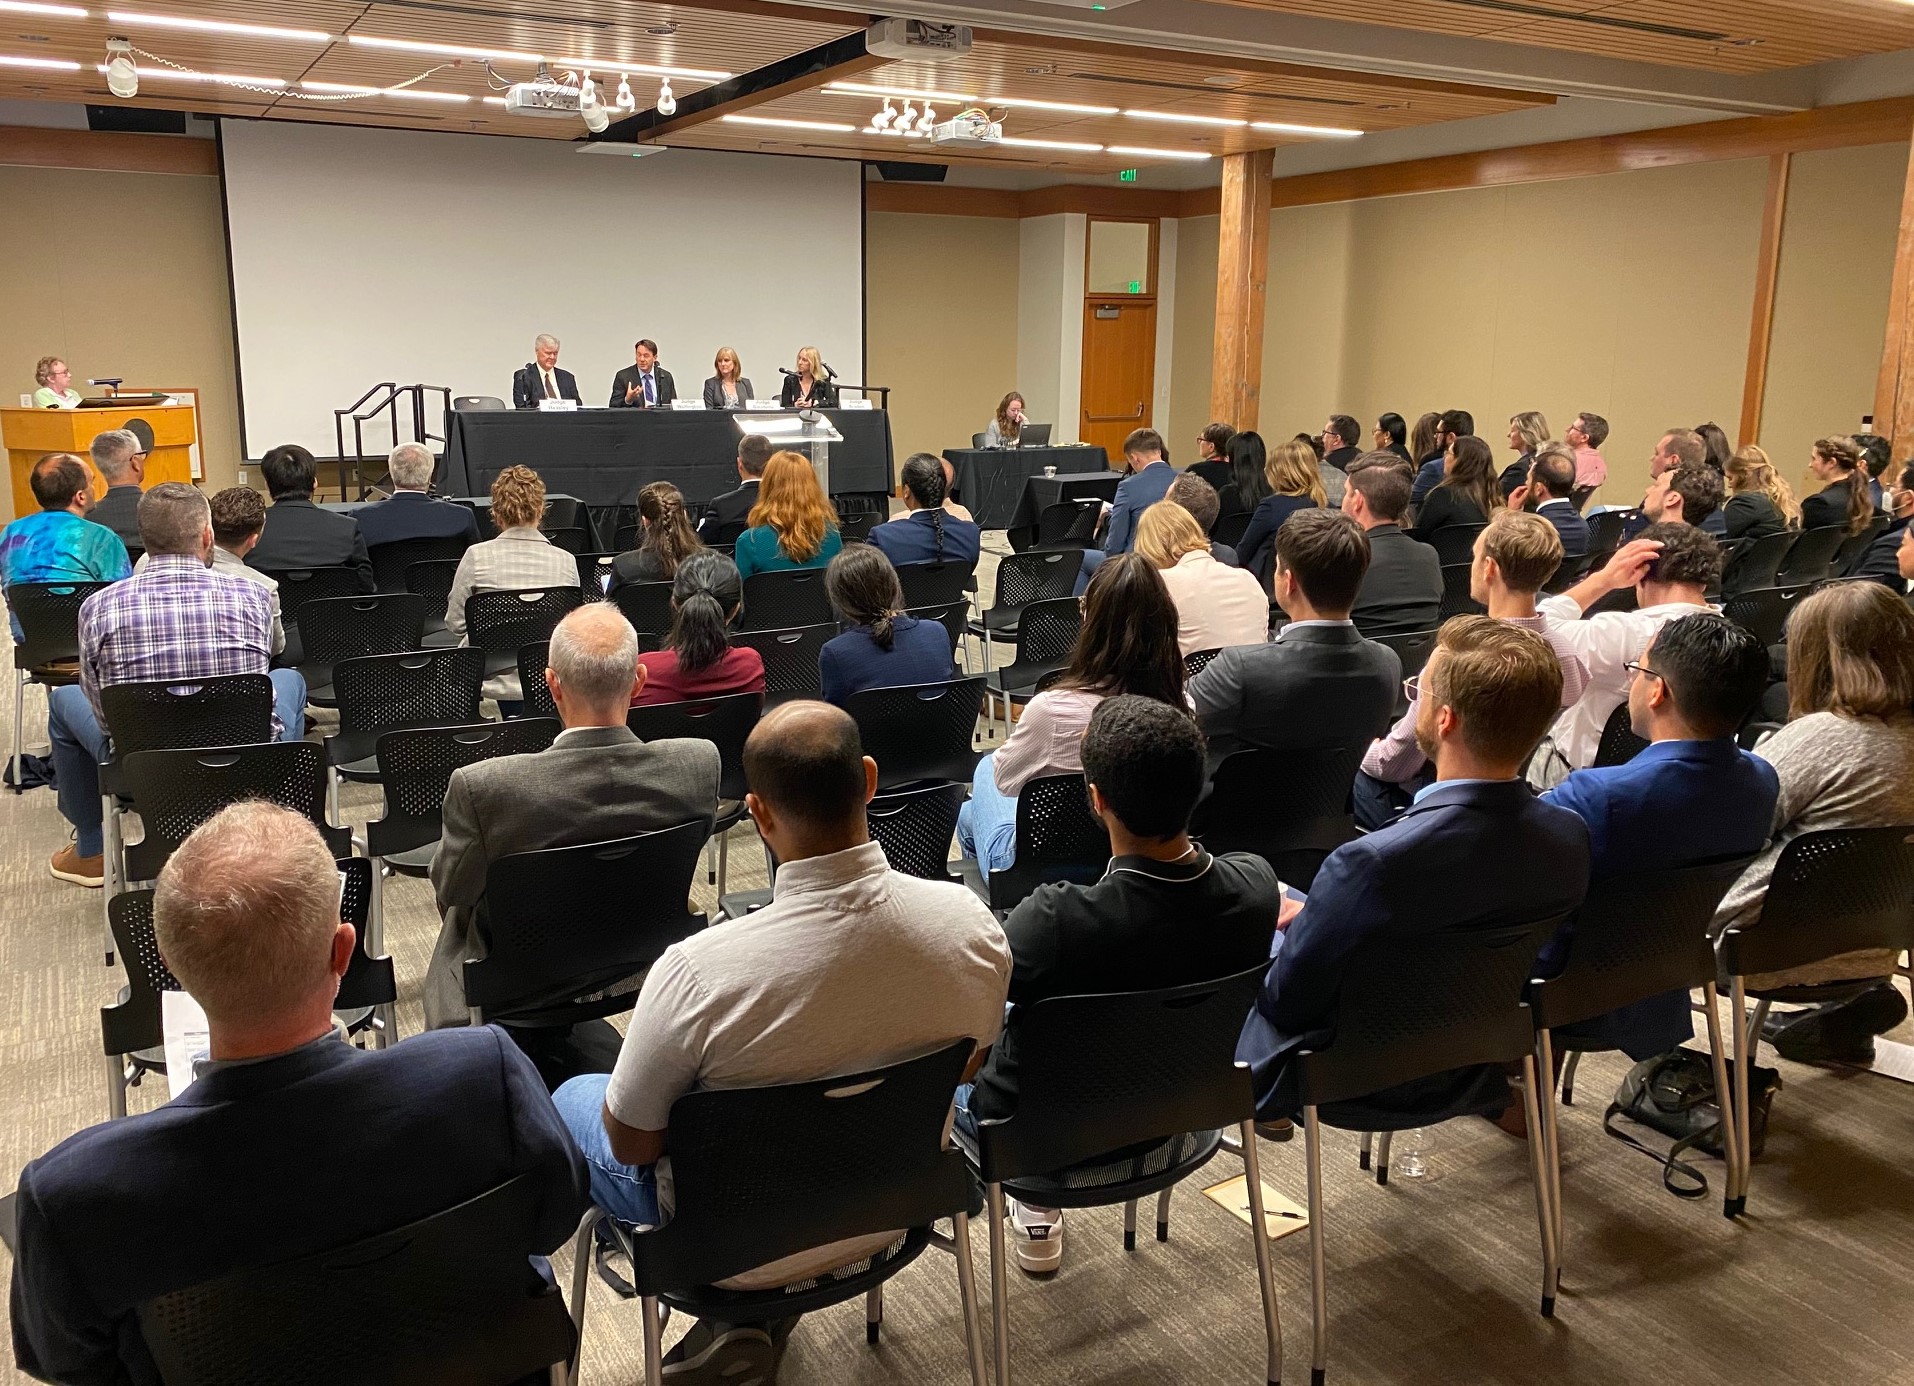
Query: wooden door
point(1119, 371)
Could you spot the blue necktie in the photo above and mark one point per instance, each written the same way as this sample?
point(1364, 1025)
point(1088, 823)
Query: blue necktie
point(650, 399)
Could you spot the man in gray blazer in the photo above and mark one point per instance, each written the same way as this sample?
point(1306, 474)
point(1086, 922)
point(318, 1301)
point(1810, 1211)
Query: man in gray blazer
point(1318, 683)
point(1402, 591)
point(597, 781)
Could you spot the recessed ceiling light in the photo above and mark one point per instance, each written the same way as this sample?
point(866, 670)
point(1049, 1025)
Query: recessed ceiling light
point(1051, 144)
point(662, 30)
point(863, 89)
point(829, 127)
point(1183, 119)
point(1140, 153)
point(402, 93)
point(50, 64)
point(1020, 102)
point(217, 26)
point(224, 79)
point(513, 55)
point(1283, 127)
point(56, 11)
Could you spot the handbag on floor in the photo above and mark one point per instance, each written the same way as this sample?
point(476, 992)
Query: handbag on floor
point(1674, 1094)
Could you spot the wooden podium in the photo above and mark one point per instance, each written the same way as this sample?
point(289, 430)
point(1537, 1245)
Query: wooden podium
point(30, 434)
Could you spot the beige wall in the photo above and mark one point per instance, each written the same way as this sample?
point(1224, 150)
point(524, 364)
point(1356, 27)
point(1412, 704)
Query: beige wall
point(127, 278)
point(1193, 334)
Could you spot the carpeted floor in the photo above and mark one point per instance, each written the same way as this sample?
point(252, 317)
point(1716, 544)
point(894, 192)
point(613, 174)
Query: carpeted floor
point(1430, 1281)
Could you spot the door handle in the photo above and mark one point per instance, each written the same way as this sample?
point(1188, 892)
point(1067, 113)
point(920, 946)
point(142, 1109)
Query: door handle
point(1113, 418)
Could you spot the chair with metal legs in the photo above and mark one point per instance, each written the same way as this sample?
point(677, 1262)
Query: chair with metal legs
point(49, 650)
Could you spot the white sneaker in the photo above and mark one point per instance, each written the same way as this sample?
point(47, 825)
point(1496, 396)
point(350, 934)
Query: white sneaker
point(1037, 1234)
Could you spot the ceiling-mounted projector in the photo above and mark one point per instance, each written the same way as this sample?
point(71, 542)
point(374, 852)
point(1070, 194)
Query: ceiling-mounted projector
point(550, 99)
point(914, 40)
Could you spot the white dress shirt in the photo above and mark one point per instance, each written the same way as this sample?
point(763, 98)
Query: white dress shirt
point(1607, 644)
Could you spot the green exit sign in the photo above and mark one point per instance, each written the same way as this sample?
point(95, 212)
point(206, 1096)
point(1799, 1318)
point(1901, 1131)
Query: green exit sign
point(1127, 176)
point(1136, 286)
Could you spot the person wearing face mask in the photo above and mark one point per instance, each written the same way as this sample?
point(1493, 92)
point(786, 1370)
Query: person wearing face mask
point(541, 378)
point(1889, 560)
point(644, 384)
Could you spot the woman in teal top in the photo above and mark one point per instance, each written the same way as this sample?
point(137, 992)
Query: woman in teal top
point(792, 524)
point(55, 380)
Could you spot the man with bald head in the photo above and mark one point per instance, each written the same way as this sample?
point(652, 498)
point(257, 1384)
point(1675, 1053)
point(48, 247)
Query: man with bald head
point(851, 966)
point(596, 782)
point(280, 1124)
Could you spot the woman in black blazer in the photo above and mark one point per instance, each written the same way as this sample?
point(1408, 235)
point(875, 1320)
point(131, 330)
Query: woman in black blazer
point(1844, 500)
point(1759, 501)
point(808, 388)
point(728, 389)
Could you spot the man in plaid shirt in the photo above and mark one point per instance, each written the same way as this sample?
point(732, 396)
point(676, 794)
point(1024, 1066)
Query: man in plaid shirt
point(176, 619)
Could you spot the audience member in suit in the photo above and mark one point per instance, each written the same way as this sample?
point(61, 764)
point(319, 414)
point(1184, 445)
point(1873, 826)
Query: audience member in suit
point(1127, 644)
point(1889, 560)
point(734, 507)
point(1165, 914)
point(1205, 505)
point(1391, 435)
point(1527, 432)
point(1342, 441)
point(121, 463)
point(850, 967)
point(1760, 502)
point(1448, 864)
point(1692, 796)
point(925, 533)
point(542, 379)
point(266, 1156)
point(1844, 499)
point(412, 512)
point(883, 648)
point(793, 524)
point(1318, 683)
point(645, 384)
point(298, 533)
point(1547, 492)
point(699, 660)
point(1402, 591)
point(520, 558)
point(728, 389)
point(665, 539)
point(1212, 462)
point(1295, 487)
point(1681, 448)
point(1514, 556)
point(596, 782)
point(1467, 493)
point(1456, 423)
point(1586, 435)
point(1671, 567)
point(810, 386)
point(1148, 482)
point(1216, 606)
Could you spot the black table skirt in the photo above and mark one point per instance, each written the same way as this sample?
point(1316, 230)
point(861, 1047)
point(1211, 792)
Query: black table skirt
point(991, 482)
point(603, 456)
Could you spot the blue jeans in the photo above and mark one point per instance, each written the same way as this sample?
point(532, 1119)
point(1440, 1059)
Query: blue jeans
point(987, 823)
point(79, 743)
point(628, 1193)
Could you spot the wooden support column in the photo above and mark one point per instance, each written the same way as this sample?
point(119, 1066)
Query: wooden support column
point(1242, 283)
point(1894, 389)
point(1754, 390)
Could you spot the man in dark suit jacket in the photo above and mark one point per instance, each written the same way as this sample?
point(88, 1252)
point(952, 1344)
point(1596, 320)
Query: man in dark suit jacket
point(595, 783)
point(299, 534)
point(1476, 850)
point(644, 384)
point(412, 513)
point(1318, 683)
point(1342, 443)
point(1402, 591)
point(289, 1141)
point(1549, 491)
point(1456, 423)
point(1148, 482)
point(122, 465)
point(542, 379)
point(734, 507)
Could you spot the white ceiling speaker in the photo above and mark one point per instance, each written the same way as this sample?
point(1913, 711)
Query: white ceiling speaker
point(122, 77)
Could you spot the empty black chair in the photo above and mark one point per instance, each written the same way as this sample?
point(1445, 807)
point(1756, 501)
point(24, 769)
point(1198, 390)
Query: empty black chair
point(49, 651)
point(573, 539)
point(647, 605)
point(936, 584)
point(1023, 578)
point(571, 930)
point(1619, 744)
point(1070, 524)
point(1413, 650)
point(1812, 556)
point(501, 622)
point(1855, 546)
point(920, 731)
point(446, 1298)
point(1843, 890)
point(726, 723)
point(479, 404)
point(381, 693)
point(915, 828)
point(336, 628)
point(1230, 529)
point(178, 790)
point(415, 766)
point(392, 560)
point(594, 574)
point(625, 537)
point(1045, 636)
point(1605, 529)
point(297, 586)
point(790, 659)
point(1756, 564)
point(1058, 839)
point(1455, 543)
point(851, 1156)
point(1119, 1097)
point(785, 599)
point(1289, 807)
point(1764, 611)
point(1456, 600)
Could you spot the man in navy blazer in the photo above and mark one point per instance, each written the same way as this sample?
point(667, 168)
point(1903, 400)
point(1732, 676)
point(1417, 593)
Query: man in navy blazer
point(541, 378)
point(1476, 850)
point(1692, 796)
point(1550, 488)
point(412, 512)
point(289, 1141)
point(1148, 482)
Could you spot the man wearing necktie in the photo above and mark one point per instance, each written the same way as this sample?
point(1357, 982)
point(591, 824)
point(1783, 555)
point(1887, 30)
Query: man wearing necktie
point(541, 378)
point(645, 385)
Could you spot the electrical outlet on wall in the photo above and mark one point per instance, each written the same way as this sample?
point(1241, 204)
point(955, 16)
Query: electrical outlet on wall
point(242, 476)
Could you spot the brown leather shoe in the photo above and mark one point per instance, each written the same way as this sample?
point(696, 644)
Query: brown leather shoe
point(1280, 1129)
point(1513, 1120)
point(69, 865)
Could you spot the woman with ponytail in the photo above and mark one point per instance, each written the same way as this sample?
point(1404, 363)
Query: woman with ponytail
point(1844, 500)
point(884, 648)
point(666, 538)
point(698, 660)
point(927, 533)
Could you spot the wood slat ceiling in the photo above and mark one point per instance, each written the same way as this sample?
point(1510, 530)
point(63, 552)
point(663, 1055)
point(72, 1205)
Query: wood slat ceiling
point(1713, 35)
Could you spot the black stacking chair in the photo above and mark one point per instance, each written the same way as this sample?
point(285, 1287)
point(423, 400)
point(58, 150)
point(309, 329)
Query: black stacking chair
point(1455, 543)
point(381, 693)
point(297, 586)
point(850, 1156)
point(501, 622)
point(571, 930)
point(936, 584)
point(49, 653)
point(954, 617)
point(1197, 661)
point(726, 723)
point(647, 605)
point(415, 766)
point(1855, 546)
point(1756, 565)
point(1120, 1097)
point(1023, 578)
point(573, 539)
point(1290, 807)
point(537, 697)
point(1764, 611)
point(790, 658)
point(1605, 529)
point(1413, 650)
point(1619, 744)
point(594, 572)
point(432, 579)
point(1411, 1008)
point(178, 790)
point(441, 1299)
point(336, 628)
point(915, 828)
point(1812, 556)
point(1572, 569)
point(1045, 636)
point(786, 599)
point(920, 731)
point(1230, 528)
point(1456, 600)
point(1070, 524)
point(1058, 839)
point(856, 528)
point(1833, 892)
point(391, 561)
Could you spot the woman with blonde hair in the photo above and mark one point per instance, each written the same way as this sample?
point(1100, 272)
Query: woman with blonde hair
point(1005, 428)
point(808, 387)
point(1760, 502)
point(1295, 484)
point(666, 539)
point(728, 389)
point(1843, 499)
point(792, 524)
point(1527, 432)
point(520, 557)
point(1216, 605)
point(55, 381)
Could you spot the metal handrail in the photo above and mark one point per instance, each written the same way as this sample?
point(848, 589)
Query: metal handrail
point(388, 403)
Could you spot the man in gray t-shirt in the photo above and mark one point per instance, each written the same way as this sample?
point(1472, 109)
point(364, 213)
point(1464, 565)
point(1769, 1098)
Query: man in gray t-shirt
point(851, 966)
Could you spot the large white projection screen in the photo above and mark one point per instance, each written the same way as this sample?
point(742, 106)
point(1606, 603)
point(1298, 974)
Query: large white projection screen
point(360, 256)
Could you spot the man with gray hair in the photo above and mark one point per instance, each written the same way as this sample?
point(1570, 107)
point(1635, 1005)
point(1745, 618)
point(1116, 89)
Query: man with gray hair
point(121, 459)
point(281, 1122)
point(175, 621)
point(412, 512)
point(597, 781)
point(541, 378)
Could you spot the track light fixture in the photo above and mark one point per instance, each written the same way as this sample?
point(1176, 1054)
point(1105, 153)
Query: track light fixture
point(626, 101)
point(122, 77)
point(667, 103)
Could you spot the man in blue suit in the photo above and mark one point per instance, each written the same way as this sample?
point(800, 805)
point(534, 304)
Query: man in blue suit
point(1475, 850)
point(1148, 482)
point(413, 512)
point(1549, 491)
point(289, 1141)
point(1692, 796)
